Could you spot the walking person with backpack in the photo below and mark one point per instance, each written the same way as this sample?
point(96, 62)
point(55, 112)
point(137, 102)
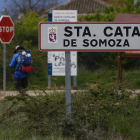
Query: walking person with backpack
point(21, 62)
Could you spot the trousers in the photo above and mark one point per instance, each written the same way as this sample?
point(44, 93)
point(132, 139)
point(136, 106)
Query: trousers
point(21, 84)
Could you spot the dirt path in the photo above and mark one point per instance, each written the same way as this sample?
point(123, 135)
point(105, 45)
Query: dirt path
point(37, 92)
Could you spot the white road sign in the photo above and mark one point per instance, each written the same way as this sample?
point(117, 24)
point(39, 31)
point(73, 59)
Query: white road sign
point(64, 15)
point(56, 63)
point(96, 36)
point(56, 60)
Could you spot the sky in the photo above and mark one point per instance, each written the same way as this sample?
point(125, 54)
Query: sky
point(135, 1)
point(2, 5)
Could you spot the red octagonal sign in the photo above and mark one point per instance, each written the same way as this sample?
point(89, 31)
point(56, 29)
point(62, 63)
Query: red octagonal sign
point(6, 29)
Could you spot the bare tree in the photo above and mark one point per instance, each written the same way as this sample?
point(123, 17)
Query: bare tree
point(16, 7)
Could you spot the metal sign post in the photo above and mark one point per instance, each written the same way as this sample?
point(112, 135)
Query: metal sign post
point(61, 16)
point(68, 83)
point(49, 76)
point(74, 80)
point(6, 35)
point(49, 80)
point(4, 67)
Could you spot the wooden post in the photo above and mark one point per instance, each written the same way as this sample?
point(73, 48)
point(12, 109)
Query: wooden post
point(119, 68)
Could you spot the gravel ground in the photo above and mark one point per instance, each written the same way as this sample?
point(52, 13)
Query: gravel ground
point(33, 93)
point(37, 92)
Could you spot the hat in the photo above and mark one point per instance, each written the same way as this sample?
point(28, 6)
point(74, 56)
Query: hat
point(18, 47)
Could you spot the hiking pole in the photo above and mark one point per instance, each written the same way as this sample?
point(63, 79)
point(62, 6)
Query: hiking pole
point(31, 84)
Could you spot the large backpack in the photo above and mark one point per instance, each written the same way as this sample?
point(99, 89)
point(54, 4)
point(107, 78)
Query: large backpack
point(24, 61)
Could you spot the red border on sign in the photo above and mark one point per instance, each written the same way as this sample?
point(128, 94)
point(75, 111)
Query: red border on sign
point(93, 50)
point(3, 16)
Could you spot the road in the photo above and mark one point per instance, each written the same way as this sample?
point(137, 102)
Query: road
point(37, 92)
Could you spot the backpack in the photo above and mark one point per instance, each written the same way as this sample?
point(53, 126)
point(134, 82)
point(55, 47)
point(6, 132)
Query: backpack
point(24, 61)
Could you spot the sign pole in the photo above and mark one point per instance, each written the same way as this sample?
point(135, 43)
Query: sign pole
point(68, 83)
point(49, 80)
point(4, 67)
point(7, 33)
point(53, 16)
point(75, 77)
point(74, 80)
point(119, 68)
point(49, 76)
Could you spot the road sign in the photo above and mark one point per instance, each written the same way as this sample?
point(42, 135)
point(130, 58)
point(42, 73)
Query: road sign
point(55, 69)
point(6, 29)
point(92, 36)
point(56, 63)
point(64, 15)
point(6, 35)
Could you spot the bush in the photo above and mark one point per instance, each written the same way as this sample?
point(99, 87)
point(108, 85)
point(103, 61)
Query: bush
point(93, 112)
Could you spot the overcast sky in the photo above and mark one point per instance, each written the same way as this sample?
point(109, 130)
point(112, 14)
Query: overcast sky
point(3, 4)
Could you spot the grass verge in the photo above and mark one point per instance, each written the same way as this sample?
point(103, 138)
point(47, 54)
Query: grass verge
point(105, 112)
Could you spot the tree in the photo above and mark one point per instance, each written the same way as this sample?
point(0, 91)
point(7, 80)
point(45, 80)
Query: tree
point(26, 35)
point(18, 8)
point(91, 60)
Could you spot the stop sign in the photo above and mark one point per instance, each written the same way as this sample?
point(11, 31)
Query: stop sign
point(6, 29)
